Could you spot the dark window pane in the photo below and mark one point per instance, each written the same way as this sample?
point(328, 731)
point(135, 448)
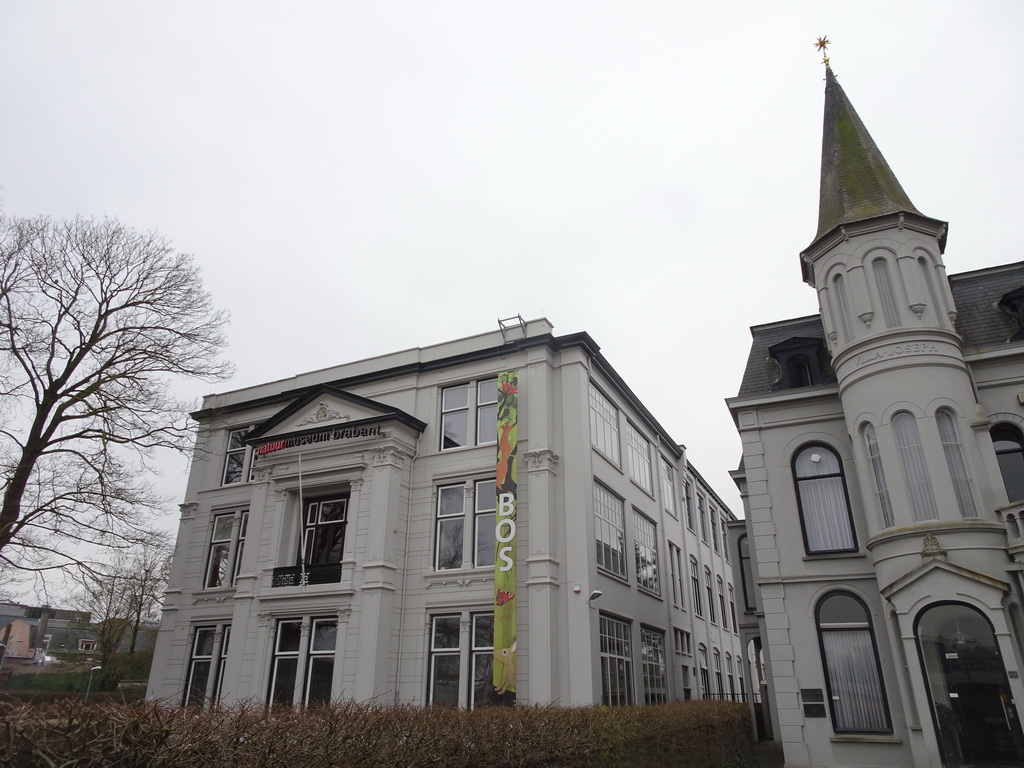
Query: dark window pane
point(446, 632)
point(483, 631)
point(445, 680)
point(233, 468)
point(841, 609)
point(325, 635)
point(284, 680)
point(455, 429)
point(197, 683)
point(449, 543)
point(218, 565)
point(485, 539)
point(321, 672)
point(483, 679)
point(288, 636)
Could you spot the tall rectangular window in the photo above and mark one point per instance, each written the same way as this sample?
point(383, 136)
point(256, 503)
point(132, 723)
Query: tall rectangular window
point(688, 503)
point(955, 461)
point(448, 662)
point(687, 686)
point(616, 663)
point(668, 488)
point(652, 650)
point(732, 609)
point(206, 665)
point(698, 608)
point(881, 488)
point(721, 603)
point(227, 544)
point(645, 546)
point(323, 638)
point(483, 538)
point(711, 596)
point(714, 528)
point(915, 469)
point(451, 519)
point(725, 540)
point(702, 513)
point(200, 666)
point(302, 668)
point(609, 525)
point(445, 660)
point(284, 671)
point(220, 551)
point(604, 425)
point(460, 421)
point(235, 457)
point(675, 567)
point(639, 458)
point(324, 533)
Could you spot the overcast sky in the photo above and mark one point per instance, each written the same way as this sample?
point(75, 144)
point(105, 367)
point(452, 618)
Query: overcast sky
point(359, 178)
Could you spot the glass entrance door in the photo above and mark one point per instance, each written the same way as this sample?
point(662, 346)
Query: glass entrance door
point(968, 689)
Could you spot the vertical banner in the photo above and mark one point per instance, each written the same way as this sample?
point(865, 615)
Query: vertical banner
point(506, 478)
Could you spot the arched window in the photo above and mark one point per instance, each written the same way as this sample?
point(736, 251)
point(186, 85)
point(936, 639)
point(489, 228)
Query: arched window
point(881, 489)
point(821, 495)
point(852, 672)
point(705, 679)
point(719, 687)
point(1009, 445)
point(915, 471)
point(886, 297)
point(955, 461)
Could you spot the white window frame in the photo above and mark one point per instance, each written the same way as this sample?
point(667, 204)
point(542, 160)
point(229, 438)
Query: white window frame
point(675, 567)
point(652, 662)
point(668, 488)
point(476, 539)
point(211, 658)
point(645, 551)
point(616, 662)
point(698, 608)
point(237, 454)
point(475, 655)
point(604, 425)
point(610, 524)
point(476, 412)
point(711, 595)
point(640, 470)
point(963, 489)
point(305, 655)
point(227, 544)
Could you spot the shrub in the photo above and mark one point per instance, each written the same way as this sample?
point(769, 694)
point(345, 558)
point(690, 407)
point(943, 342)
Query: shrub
point(78, 734)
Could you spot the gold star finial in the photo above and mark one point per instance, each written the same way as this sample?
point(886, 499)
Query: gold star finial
point(822, 45)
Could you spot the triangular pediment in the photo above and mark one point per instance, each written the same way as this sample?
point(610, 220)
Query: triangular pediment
point(935, 566)
point(325, 407)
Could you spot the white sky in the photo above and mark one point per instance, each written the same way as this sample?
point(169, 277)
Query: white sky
point(359, 178)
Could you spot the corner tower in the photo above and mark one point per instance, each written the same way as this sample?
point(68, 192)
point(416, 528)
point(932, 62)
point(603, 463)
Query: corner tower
point(888, 315)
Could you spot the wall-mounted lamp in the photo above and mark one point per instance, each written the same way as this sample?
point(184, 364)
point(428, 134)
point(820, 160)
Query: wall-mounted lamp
point(593, 597)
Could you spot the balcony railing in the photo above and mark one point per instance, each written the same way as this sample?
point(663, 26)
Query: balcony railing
point(296, 575)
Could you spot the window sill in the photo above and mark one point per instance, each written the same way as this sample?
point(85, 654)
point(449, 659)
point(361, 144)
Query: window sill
point(834, 555)
point(649, 592)
point(608, 459)
point(866, 738)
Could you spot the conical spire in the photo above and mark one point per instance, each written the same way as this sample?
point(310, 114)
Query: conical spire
point(856, 182)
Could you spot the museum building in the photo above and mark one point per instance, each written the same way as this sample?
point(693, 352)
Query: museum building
point(342, 532)
point(880, 559)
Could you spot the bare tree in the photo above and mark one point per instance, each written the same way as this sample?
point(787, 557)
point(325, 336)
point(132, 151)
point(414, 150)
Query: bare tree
point(95, 320)
point(124, 593)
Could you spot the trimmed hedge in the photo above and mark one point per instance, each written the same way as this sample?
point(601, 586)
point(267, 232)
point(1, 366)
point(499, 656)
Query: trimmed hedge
point(76, 734)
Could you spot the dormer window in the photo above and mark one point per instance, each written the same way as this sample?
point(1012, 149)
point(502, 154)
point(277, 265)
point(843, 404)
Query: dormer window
point(803, 362)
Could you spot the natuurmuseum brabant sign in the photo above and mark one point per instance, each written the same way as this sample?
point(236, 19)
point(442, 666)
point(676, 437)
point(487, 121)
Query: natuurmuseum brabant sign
point(335, 433)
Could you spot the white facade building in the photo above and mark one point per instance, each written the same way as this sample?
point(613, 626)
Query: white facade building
point(354, 556)
point(883, 483)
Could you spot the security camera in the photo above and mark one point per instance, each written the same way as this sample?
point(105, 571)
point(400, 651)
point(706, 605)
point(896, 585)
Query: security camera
point(594, 595)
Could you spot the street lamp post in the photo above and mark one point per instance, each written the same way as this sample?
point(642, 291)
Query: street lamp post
point(88, 688)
